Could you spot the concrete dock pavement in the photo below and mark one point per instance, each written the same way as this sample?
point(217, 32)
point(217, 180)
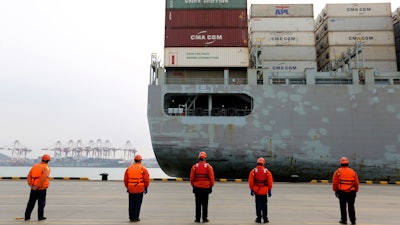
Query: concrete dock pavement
point(172, 203)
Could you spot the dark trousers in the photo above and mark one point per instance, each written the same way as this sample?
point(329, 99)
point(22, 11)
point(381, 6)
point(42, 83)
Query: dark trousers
point(261, 207)
point(40, 196)
point(346, 200)
point(135, 202)
point(201, 195)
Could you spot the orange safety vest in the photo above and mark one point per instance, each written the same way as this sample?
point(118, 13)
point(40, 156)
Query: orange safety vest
point(260, 177)
point(36, 173)
point(346, 179)
point(260, 180)
point(135, 178)
point(201, 172)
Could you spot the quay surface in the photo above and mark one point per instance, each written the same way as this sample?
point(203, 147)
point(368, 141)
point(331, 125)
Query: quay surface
point(172, 203)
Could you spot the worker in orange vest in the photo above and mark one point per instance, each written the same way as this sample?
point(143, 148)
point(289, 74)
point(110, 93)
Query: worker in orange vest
point(136, 180)
point(260, 183)
point(202, 181)
point(38, 181)
point(345, 185)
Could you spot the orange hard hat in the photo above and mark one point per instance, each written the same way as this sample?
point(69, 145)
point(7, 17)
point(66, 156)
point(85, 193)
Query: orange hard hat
point(344, 160)
point(202, 155)
point(261, 161)
point(138, 157)
point(46, 157)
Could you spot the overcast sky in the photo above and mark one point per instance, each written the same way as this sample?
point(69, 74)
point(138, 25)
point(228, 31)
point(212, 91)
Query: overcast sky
point(79, 70)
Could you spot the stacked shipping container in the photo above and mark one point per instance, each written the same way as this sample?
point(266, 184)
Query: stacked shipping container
point(340, 26)
point(396, 27)
point(206, 34)
point(282, 37)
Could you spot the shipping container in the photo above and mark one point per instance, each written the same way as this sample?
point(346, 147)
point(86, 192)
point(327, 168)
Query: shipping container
point(282, 38)
point(371, 53)
point(354, 10)
point(281, 24)
point(206, 57)
point(293, 53)
point(380, 66)
point(282, 10)
point(377, 66)
point(212, 18)
point(355, 24)
point(288, 66)
point(213, 37)
point(206, 4)
point(367, 38)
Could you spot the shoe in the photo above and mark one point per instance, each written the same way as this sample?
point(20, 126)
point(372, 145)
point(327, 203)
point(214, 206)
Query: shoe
point(258, 220)
point(42, 218)
point(353, 223)
point(197, 221)
point(342, 222)
point(205, 221)
point(26, 219)
point(266, 221)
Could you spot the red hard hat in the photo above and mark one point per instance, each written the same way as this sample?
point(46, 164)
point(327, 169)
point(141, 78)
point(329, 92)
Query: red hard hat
point(344, 160)
point(46, 157)
point(261, 161)
point(202, 155)
point(138, 157)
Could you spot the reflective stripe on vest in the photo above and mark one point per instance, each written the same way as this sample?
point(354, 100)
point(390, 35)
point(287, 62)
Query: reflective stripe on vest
point(201, 172)
point(260, 177)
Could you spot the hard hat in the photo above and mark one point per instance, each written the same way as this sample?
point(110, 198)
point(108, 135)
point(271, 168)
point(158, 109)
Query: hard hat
point(46, 157)
point(138, 157)
point(261, 161)
point(202, 155)
point(344, 160)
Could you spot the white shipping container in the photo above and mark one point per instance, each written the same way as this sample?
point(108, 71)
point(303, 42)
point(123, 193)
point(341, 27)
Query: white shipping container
point(281, 24)
point(380, 66)
point(356, 10)
point(371, 53)
point(351, 38)
point(355, 24)
point(282, 10)
point(206, 57)
point(288, 66)
point(281, 53)
point(282, 38)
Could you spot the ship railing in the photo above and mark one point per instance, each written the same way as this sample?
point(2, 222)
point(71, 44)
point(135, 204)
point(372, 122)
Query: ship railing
point(201, 81)
point(207, 112)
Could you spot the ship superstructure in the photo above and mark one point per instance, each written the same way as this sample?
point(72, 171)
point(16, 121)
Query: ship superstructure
point(272, 98)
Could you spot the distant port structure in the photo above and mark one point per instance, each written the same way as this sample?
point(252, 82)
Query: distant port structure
point(94, 149)
point(73, 153)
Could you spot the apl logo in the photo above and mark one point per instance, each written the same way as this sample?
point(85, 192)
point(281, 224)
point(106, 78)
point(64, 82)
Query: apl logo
point(282, 10)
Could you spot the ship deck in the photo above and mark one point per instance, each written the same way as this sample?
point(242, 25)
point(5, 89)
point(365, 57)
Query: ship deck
point(172, 202)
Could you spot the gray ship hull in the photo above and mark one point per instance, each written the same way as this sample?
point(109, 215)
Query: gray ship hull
point(301, 130)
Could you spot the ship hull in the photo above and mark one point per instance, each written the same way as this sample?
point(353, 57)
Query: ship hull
point(301, 130)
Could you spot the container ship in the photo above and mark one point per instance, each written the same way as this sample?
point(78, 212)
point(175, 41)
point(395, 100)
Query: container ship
point(273, 81)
